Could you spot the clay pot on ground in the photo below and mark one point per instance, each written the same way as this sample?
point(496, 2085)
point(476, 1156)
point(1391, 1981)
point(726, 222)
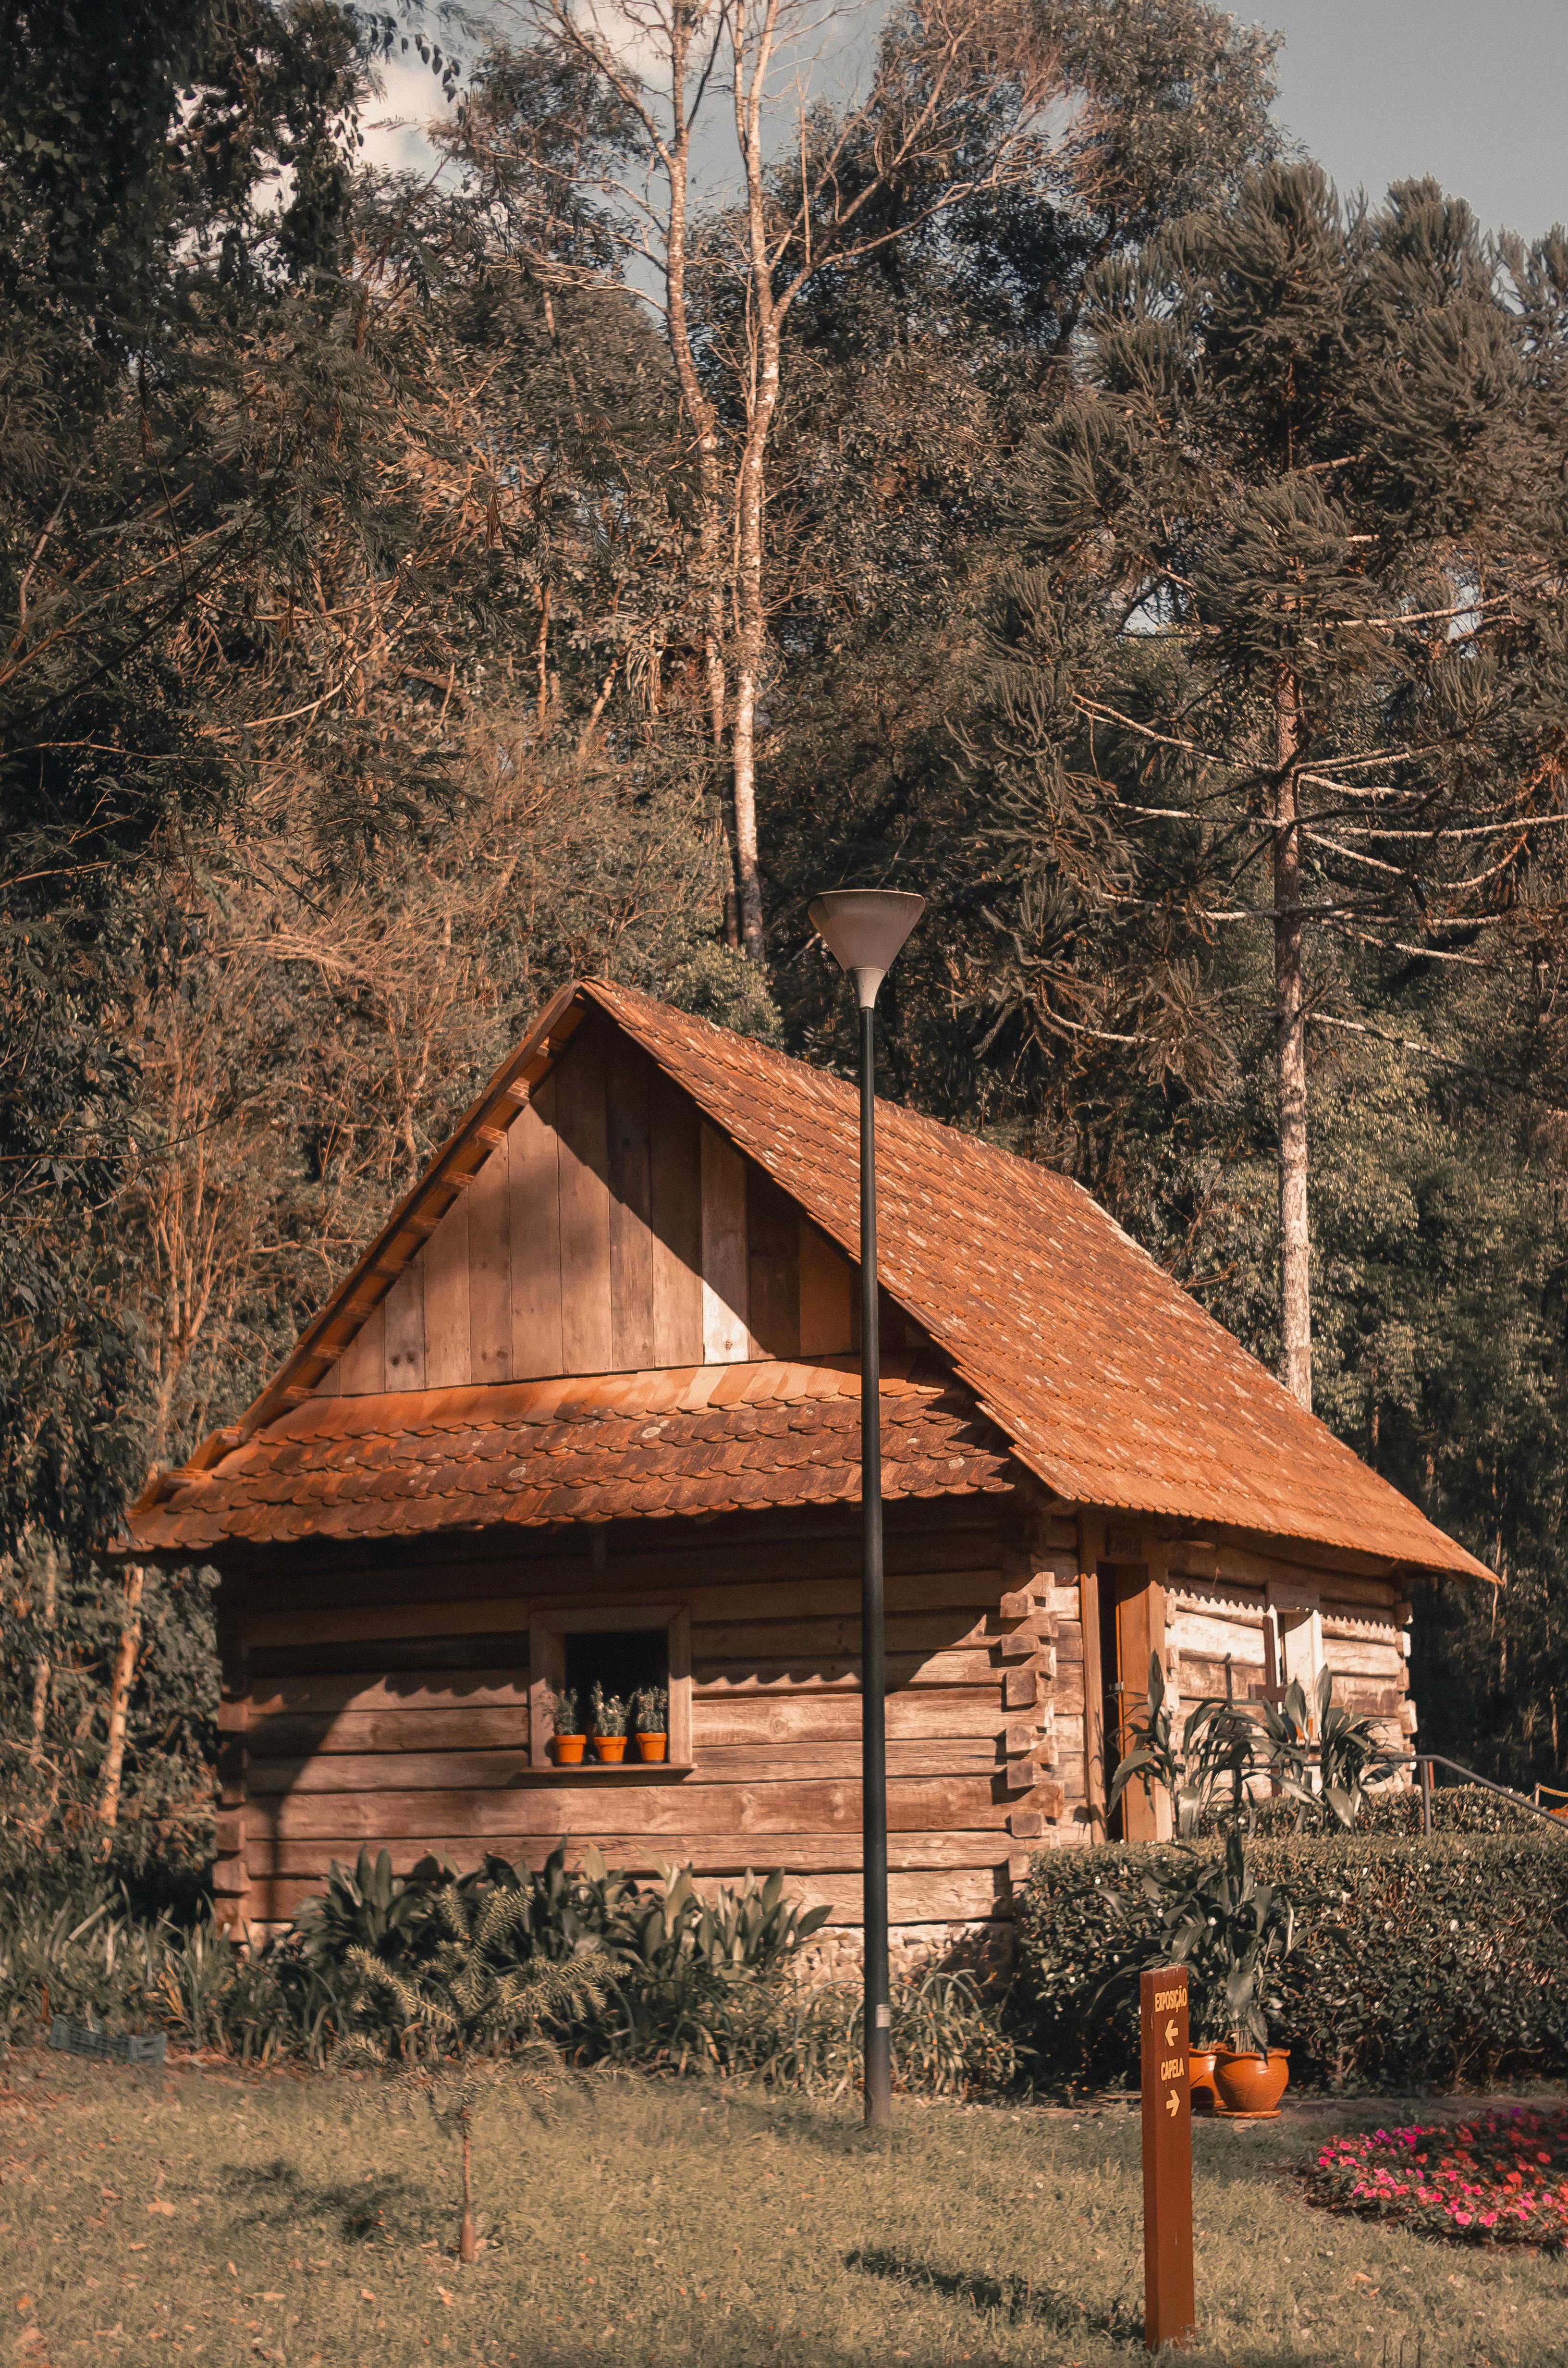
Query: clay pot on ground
point(1248, 2087)
point(653, 1747)
point(1200, 2079)
point(610, 1749)
point(569, 1750)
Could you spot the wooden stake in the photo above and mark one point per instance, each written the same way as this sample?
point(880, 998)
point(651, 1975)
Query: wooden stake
point(1168, 2309)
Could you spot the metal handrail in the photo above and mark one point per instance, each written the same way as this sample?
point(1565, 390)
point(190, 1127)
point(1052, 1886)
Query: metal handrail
point(1425, 1761)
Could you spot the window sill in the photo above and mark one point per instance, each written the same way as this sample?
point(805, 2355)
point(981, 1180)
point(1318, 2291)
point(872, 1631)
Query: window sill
point(598, 1769)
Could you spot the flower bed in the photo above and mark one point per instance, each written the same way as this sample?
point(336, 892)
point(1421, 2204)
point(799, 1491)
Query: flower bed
point(1497, 2179)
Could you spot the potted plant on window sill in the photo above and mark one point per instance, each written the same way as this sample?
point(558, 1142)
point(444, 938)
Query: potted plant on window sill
point(608, 1725)
point(568, 1740)
point(650, 1725)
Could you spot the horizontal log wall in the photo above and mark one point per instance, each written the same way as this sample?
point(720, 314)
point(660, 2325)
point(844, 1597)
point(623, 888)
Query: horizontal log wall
point(1240, 1601)
point(389, 1706)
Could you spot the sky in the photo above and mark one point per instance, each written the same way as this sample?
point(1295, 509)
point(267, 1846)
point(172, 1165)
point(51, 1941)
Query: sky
point(1472, 91)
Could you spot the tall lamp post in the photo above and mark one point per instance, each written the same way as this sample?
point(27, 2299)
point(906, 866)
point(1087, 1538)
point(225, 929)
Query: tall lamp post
point(863, 930)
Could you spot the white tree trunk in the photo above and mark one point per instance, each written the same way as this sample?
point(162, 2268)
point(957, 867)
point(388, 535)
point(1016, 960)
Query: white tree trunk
point(1295, 1238)
point(121, 1682)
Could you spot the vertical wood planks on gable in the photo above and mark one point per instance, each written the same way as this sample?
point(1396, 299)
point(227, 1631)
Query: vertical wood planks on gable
point(676, 1213)
point(725, 1277)
point(630, 1206)
point(364, 1362)
point(773, 1247)
point(405, 1328)
point(490, 1270)
point(446, 1343)
point(826, 1294)
point(579, 1119)
point(533, 1161)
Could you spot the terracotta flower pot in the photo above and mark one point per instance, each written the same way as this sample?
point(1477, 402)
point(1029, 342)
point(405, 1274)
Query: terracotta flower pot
point(1247, 2087)
point(569, 1750)
point(653, 1747)
point(1200, 2079)
point(610, 1749)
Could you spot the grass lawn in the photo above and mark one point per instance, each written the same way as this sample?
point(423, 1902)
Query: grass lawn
point(199, 2215)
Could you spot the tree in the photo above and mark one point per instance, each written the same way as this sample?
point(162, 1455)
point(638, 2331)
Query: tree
point(1272, 611)
point(471, 2015)
point(916, 384)
point(952, 112)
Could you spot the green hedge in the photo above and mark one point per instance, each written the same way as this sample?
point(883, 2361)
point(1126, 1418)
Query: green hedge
point(1418, 1963)
point(1456, 1809)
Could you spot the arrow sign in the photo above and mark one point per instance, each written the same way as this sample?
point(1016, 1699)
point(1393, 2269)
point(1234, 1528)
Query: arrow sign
point(1168, 2311)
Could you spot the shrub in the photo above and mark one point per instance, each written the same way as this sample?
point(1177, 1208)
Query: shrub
point(1456, 1809)
point(1418, 1963)
point(695, 1982)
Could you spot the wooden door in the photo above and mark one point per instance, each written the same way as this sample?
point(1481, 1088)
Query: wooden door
point(1131, 1627)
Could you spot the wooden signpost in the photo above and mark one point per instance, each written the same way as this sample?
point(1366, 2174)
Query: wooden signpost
point(1168, 2309)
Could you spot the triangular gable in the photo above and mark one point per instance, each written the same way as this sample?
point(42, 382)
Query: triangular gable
point(611, 1228)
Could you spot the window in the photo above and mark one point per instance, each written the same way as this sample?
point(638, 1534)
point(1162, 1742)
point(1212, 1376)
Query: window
point(625, 1646)
point(622, 1660)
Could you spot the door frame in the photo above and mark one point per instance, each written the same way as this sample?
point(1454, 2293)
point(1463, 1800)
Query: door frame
point(1105, 1545)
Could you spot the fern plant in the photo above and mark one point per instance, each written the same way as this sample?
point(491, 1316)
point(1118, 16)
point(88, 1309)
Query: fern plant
point(472, 2017)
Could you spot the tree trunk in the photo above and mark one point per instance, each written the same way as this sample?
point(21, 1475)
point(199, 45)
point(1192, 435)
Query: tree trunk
point(120, 1696)
point(44, 1672)
point(751, 483)
point(468, 2248)
point(676, 156)
point(1295, 1239)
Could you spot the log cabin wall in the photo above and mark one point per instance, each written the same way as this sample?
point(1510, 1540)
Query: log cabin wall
point(1258, 1604)
point(385, 1701)
point(611, 1229)
point(1271, 1608)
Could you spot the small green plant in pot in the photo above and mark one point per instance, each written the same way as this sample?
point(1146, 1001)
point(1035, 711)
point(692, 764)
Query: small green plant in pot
point(608, 1716)
point(566, 1720)
point(651, 1722)
point(1232, 1933)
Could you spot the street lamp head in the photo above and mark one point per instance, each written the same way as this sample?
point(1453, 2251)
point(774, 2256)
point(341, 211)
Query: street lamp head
point(863, 930)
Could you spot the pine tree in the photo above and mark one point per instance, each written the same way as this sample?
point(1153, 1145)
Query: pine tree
point(1268, 652)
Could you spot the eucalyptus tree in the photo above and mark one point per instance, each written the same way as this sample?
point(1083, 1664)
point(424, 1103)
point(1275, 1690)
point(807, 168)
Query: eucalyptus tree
point(953, 109)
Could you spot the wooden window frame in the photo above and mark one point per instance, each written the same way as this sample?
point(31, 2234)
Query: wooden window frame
point(548, 1632)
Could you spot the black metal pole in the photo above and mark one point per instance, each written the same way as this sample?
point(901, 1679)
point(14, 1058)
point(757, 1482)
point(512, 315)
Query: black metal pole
point(873, 1669)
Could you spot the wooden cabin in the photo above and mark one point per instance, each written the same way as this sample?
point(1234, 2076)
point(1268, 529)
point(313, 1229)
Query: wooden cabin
point(589, 1406)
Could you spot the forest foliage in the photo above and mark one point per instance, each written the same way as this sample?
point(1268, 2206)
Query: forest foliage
point(422, 588)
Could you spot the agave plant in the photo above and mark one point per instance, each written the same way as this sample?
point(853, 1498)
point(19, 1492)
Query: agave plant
point(1230, 1932)
point(1204, 1768)
point(469, 2016)
point(1347, 1753)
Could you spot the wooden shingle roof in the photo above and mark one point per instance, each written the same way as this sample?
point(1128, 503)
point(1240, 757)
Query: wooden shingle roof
point(1107, 1381)
point(703, 1440)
